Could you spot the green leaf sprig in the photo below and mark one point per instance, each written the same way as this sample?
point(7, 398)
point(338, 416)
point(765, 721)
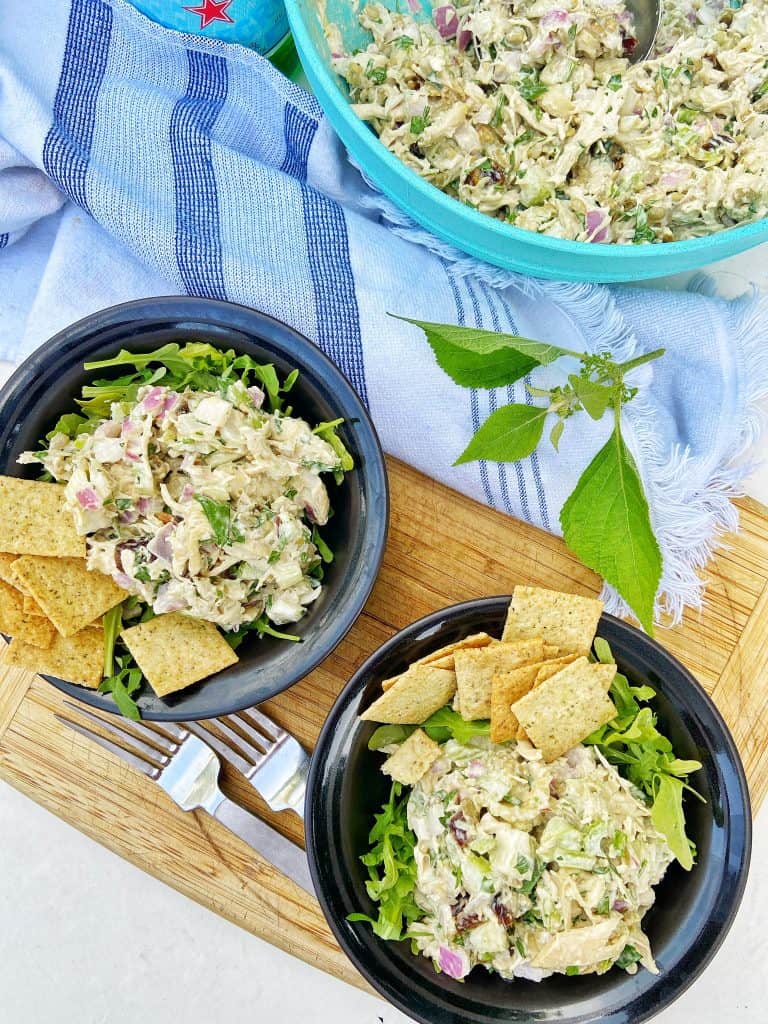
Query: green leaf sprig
point(605, 521)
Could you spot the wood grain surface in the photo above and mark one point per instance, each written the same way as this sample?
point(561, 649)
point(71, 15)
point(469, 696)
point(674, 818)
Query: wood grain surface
point(442, 548)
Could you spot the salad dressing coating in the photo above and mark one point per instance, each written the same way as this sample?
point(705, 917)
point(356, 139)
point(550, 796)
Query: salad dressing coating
point(530, 111)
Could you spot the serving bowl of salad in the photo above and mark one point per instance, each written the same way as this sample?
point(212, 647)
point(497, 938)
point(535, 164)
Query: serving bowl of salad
point(524, 136)
point(196, 508)
point(478, 879)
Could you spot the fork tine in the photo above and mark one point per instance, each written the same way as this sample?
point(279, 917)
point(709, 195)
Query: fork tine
point(259, 720)
point(253, 731)
point(233, 729)
point(136, 762)
point(159, 748)
point(222, 749)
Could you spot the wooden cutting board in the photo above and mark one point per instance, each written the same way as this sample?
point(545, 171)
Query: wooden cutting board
point(443, 548)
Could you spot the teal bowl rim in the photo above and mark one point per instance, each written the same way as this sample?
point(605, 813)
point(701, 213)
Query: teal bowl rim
point(321, 79)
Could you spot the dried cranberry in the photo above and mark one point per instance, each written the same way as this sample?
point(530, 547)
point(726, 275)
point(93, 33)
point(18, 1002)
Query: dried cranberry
point(458, 832)
point(502, 913)
point(628, 44)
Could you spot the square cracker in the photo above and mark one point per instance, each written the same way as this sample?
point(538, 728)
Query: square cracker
point(547, 669)
point(567, 620)
point(15, 622)
point(71, 595)
point(416, 695)
point(174, 651)
point(565, 708)
point(476, 669)
point(443, 656)
point(412, 758)
point(506, 688)
point(6, 567)
point(76, 659)
point(34, 520)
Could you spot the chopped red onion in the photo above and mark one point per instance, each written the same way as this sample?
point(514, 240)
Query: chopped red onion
point(164, 602)
point(556, 17)
point(160, 547)
point(127, 517)
point(453, 963)
point(88, 498)
point(475, 769)
point(154, 399)
point(463, 39)
point(144, 505)
point(187, 492)
point(122, 580)
point(257, 396)
point(620, 906)
point(447, 21)
point(597, 225)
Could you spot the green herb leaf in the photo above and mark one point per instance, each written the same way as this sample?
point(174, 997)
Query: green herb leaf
point(556, 433)
point(475, 358)
point(510, 433)
point(73, 424)
point(614, 82)
point(420, 122)
point(219, 515)
point(263, 627)
point(606, 523)
point(531, 88)
point(629, 956)
point(446, 724)
point(595, 398)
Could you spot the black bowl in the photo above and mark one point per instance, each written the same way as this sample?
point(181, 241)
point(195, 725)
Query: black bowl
point(46, 385)
point(693, 910)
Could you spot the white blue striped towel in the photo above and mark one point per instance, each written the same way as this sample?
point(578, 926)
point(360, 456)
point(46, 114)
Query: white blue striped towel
point(137, 161)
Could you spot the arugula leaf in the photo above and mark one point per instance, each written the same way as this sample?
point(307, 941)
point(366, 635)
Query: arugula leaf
point(113, 623)
point(391, 869)
point(73, 424)
point(386, 735)
point(263, 627)
point(510, 433)
point(122, 685)
point(322, 548)
point(169, 356)
point(328, 433)
point(668, 817)
point(475, 358)
point(446, 724)
point(606, 523)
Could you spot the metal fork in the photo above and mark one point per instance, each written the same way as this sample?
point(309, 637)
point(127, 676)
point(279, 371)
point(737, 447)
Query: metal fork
point(270, 758)
point(188, 770)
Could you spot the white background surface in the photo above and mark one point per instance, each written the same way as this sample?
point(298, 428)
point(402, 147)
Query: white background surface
point(86, 938)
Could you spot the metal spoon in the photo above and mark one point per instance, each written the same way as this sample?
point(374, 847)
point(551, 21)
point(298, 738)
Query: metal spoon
point(646, 15)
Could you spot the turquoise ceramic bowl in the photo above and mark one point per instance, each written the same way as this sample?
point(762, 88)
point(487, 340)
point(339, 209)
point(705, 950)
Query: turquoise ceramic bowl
point(473, 232)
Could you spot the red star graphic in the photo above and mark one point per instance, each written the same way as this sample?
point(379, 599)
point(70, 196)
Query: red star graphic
point(211, 10)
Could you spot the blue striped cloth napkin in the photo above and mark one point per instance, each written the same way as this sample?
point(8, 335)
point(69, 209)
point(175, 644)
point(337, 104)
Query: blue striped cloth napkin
point(135, 161)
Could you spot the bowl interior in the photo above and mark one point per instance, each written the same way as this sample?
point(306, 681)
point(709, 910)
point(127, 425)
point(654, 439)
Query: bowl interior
point(475, 233)
point(47, 384)
point(692, 911)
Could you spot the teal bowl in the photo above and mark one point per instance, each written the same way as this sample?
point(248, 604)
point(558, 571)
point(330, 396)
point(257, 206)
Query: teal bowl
point(476, 233)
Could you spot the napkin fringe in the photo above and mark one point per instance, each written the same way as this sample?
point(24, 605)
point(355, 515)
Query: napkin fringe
point(690, 524)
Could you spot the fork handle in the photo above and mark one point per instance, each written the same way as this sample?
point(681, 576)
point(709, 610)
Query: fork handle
point(266, 841)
